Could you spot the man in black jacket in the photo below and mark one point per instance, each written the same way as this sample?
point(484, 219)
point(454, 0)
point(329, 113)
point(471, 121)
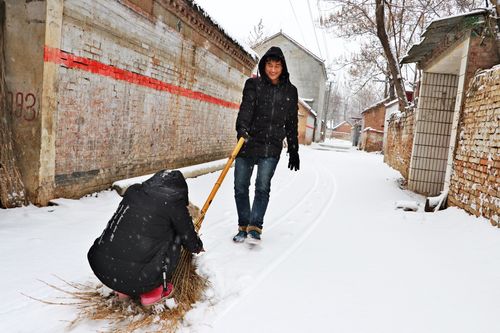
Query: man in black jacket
point(268, 114)
point(139, 249)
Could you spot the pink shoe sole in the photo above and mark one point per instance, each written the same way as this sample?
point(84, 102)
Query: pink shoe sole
point(150, 300)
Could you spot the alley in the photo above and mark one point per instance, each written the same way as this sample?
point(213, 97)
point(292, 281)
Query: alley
point(336, 256)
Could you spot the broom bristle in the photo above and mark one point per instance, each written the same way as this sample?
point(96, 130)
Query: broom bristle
point(188, 284)
point(130, 315)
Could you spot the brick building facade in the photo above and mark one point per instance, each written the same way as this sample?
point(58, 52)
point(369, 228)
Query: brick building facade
point(104, 89)
point(342, 131)
point(307, 120)
point(372, 132)
point(453, 133)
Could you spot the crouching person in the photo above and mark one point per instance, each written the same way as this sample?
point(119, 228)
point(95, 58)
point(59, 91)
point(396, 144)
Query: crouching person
point(139, 249)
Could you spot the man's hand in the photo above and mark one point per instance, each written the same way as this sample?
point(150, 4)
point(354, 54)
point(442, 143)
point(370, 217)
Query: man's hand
point(294, 161)
point(242, 133)
point(199, 247)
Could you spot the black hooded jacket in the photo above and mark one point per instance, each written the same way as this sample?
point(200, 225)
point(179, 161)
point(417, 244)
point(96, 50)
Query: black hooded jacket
point(268, 112)
point(144, 236)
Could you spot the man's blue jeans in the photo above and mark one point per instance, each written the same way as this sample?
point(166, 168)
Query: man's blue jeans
point(243, 170)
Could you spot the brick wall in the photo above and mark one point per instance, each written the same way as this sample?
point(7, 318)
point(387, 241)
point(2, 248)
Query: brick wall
point(343, 132)
point(371, 140)
point(340, 135)
point(113, 126)
point(400, 141)
point(475, 180)
point(483, 54)
point(305, 125)
point(134, 87)
point(374, 117)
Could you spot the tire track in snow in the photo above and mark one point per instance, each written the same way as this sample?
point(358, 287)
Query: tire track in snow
point(269, 268)
point(296, 205)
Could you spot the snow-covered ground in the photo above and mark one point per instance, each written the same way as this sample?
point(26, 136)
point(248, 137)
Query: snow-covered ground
point(336, 256)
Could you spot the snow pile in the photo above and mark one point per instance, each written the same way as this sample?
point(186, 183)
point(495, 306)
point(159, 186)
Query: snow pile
point(188, 172)
point(407, 205)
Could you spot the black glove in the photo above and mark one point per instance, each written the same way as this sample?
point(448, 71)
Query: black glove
point(242, 133)
point(199, 246)
point(294, 161)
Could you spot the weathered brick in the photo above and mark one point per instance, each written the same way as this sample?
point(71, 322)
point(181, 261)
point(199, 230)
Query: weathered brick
point(478, 145)
point(132, 93)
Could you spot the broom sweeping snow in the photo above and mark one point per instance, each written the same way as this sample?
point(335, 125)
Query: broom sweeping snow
point(189, 285)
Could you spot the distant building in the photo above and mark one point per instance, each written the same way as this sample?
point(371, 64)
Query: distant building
point(372, 132)
point(307, 121)
point(342, 131)
point(307, 71)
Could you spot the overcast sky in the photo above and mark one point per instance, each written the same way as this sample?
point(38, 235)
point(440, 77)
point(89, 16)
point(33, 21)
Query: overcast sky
point(296, 18)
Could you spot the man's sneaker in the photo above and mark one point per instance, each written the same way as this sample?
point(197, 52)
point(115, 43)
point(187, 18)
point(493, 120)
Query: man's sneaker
point(240, 236)
point(253, 237)
point(157, 295)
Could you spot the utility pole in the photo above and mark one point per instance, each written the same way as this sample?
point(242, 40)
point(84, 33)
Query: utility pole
point(325, 110)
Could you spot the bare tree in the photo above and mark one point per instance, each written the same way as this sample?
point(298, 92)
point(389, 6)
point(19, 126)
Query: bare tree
point(12, 193)
point(344, 105)
point(256, 35)
point(397, 28)
point(392, 62)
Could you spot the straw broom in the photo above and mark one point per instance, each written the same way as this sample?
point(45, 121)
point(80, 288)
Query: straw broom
point(188, 284)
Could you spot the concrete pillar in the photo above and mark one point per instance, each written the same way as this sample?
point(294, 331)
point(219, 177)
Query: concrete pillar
point(48, 108)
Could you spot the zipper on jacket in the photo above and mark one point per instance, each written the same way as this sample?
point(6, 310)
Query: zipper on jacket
point(268, 143)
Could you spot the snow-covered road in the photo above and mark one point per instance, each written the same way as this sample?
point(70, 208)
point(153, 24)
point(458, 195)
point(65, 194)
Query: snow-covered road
point(336, 256)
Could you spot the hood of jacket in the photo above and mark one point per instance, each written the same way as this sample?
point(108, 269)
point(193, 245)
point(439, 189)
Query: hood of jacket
point(276, 52)
point(171, 185)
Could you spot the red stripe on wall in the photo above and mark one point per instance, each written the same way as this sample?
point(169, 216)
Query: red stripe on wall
point(69, 60)
point(309, 126)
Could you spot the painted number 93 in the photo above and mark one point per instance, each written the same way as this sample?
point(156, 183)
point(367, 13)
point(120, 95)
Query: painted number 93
point(23, 105)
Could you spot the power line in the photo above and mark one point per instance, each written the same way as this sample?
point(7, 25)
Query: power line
point(325, 43)
point(298, 23)
point(314, 29)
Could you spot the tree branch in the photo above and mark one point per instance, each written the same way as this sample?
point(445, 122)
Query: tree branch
point(393, 65)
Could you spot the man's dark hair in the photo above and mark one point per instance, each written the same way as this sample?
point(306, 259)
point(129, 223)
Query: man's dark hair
point(274, 58)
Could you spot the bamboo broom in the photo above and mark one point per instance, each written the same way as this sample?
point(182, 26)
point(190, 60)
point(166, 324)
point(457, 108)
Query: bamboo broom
point(188, 284)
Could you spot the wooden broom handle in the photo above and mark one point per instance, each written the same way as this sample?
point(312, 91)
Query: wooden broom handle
point(218, 183)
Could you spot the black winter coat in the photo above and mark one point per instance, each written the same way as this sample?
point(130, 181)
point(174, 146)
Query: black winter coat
point(144, 236)
point(268, 113)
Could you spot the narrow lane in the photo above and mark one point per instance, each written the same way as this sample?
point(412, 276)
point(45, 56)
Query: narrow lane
point(337, 257)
